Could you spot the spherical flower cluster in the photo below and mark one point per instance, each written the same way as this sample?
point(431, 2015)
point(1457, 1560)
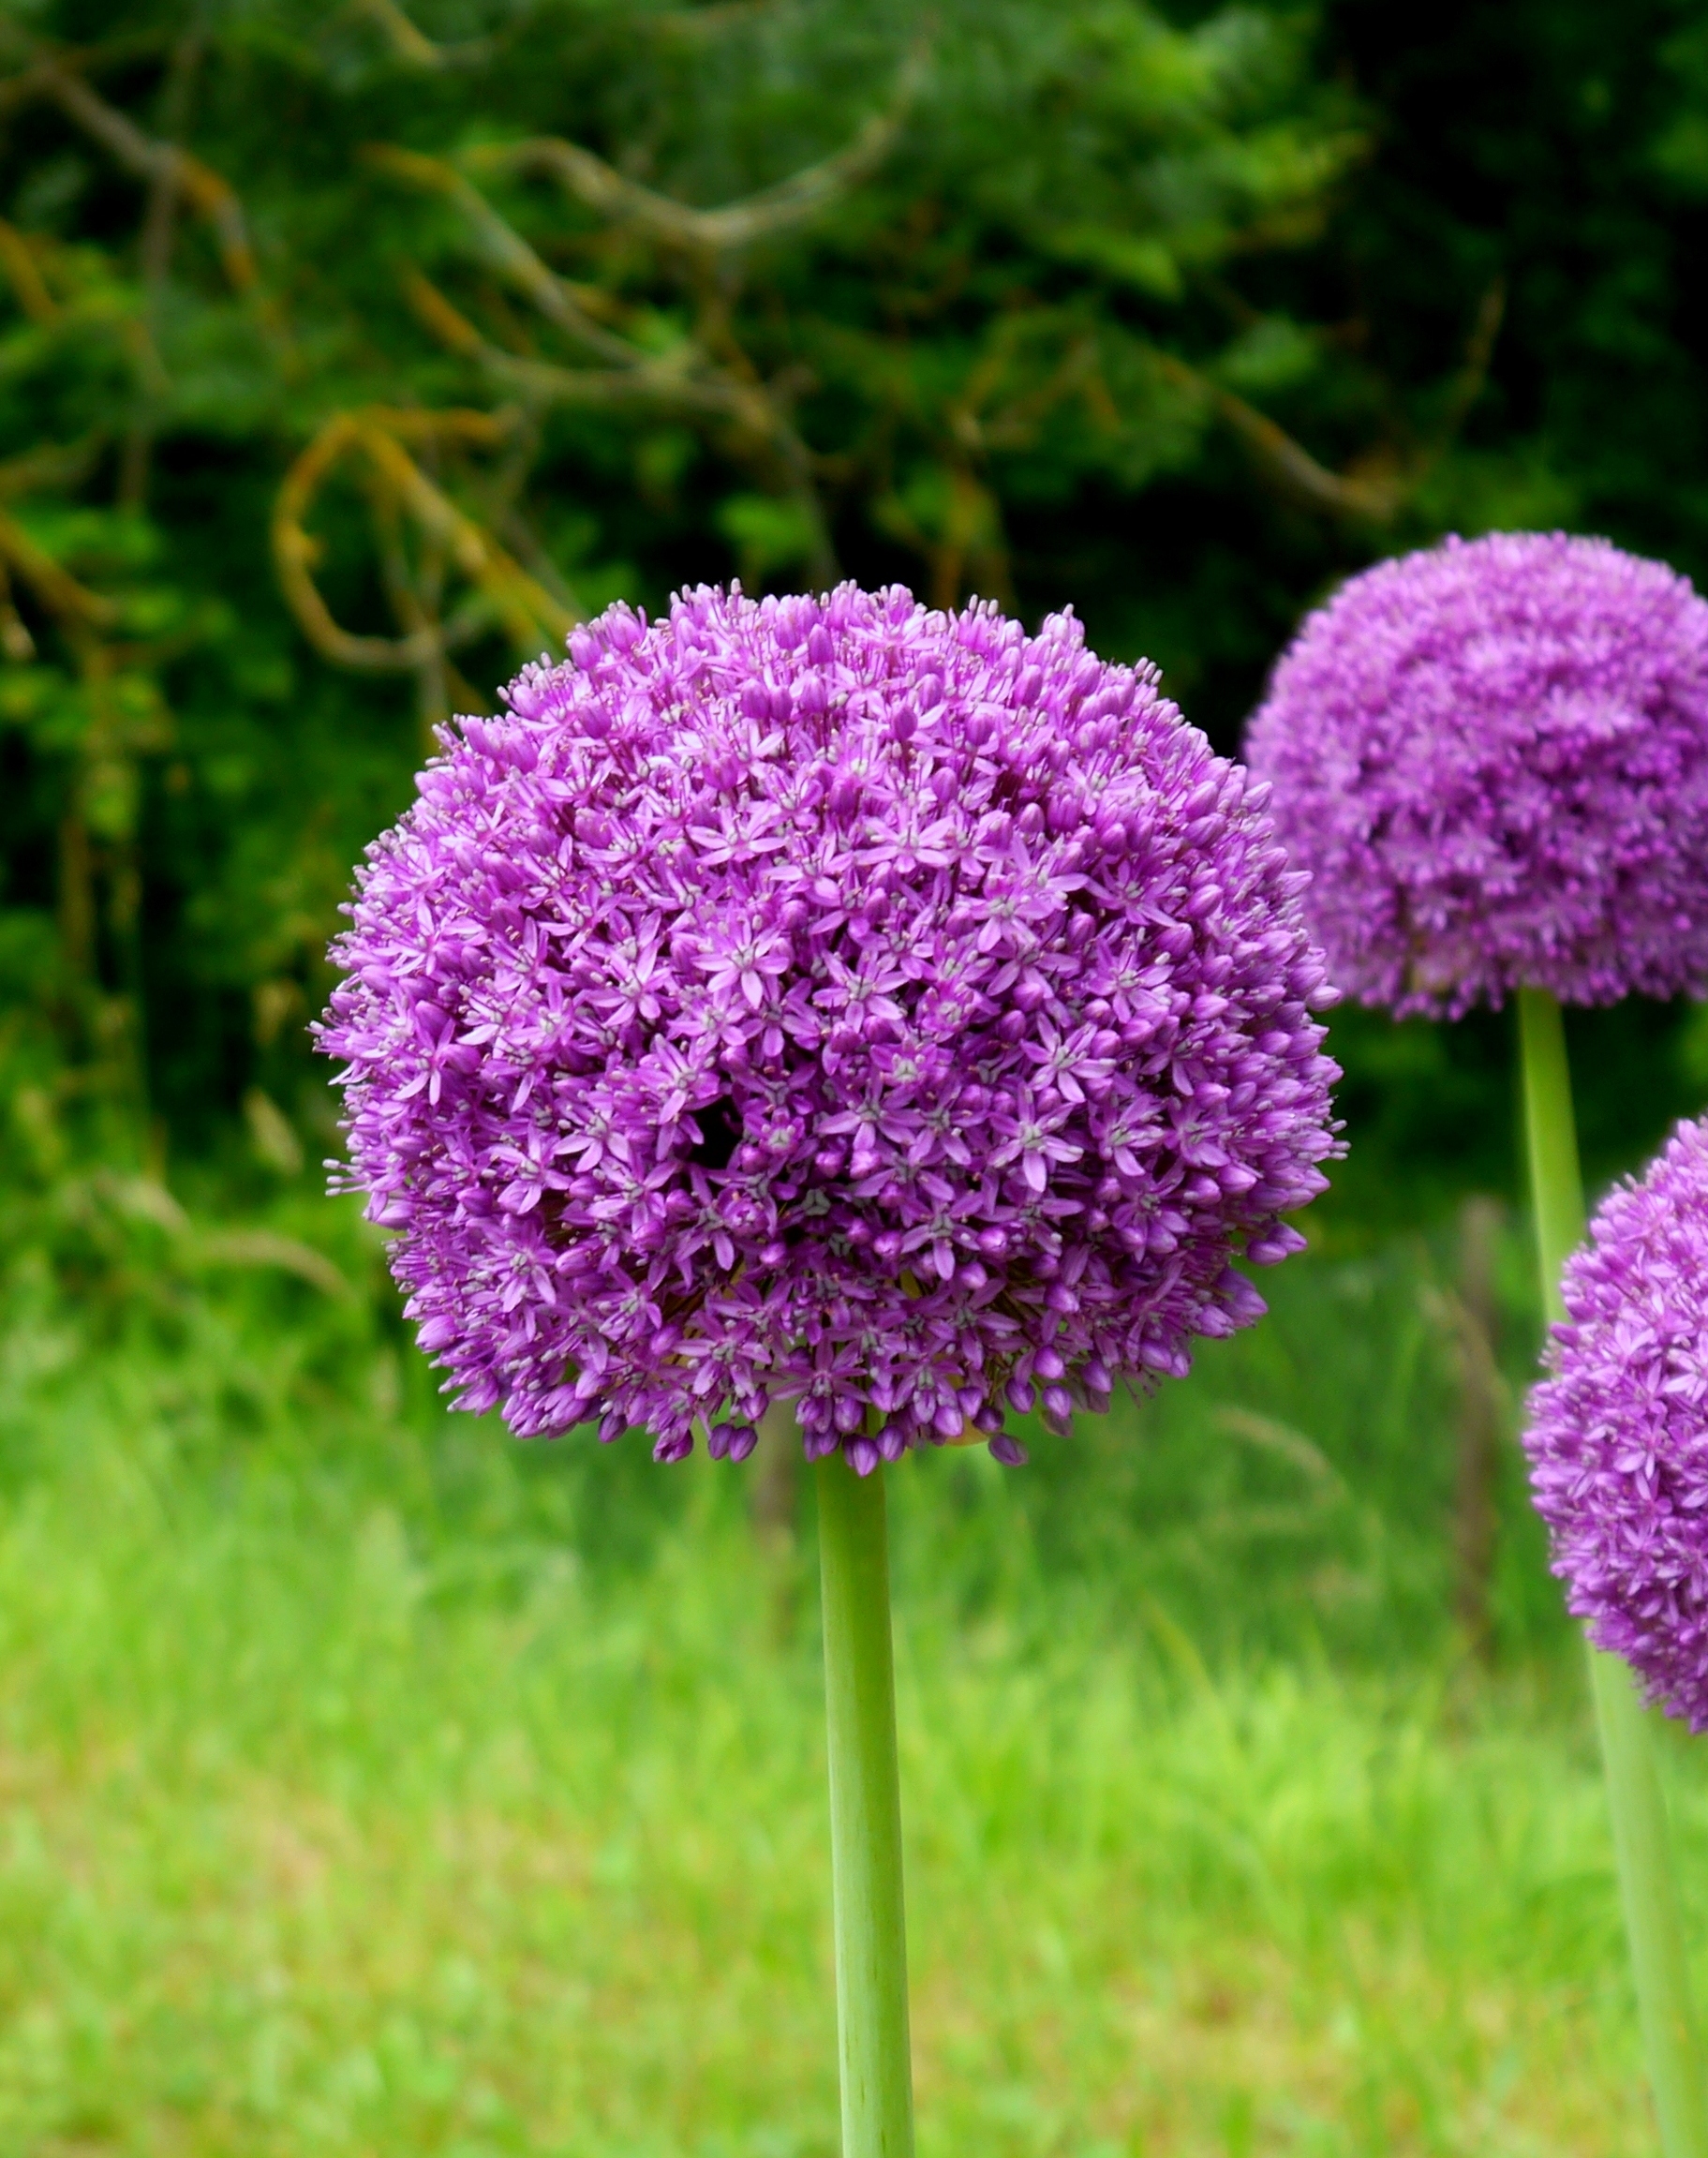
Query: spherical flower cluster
point(1618, 1437)
point(829, 1001)
point(1493, 759)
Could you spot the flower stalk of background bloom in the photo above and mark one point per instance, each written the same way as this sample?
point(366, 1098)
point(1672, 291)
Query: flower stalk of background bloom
point(1493, 759)
point(834, 1004)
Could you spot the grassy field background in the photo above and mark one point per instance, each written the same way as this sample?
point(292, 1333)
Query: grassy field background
point(369, 1785)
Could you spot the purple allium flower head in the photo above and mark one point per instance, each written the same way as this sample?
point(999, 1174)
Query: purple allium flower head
point(1492, 758)
point(1618, 1437)
point(828, 999)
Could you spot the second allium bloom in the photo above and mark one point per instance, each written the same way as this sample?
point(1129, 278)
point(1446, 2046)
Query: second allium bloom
point(829, 1000)
point(1493, 758)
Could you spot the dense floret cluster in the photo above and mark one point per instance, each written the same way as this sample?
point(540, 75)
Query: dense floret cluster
point(828, 999)
point(1618, 1437)
point(1493, 759)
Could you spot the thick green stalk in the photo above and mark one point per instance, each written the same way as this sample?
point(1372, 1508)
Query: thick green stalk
point(865, 1815)
point(1633, 1789)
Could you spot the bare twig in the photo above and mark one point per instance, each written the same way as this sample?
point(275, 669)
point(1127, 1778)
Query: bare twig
point(1371, 500)
point(688, 380)
point(1373, 495)
point(416, 595)
point(15, 639)
point(210, 196)
point(505, 592)
point(505, 249)
point(28, 285)
point(74, 606)
point(1474, 370)
point(966, 550)
point(48, 465)
point(701, 391)
point(159, 226)
point(524, 543)
point(414, 48)
point(641, 379)
point(778, 209)
point(1014, 425)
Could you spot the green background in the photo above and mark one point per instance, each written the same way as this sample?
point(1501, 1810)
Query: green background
point(370, 1785)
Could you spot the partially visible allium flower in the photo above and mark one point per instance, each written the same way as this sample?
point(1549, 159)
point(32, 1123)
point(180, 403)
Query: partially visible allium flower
point(828, 999)
point(1618, 1437)
point(1493, 759)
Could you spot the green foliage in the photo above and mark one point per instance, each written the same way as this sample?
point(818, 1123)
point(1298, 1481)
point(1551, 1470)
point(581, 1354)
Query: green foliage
point(346, 357)
point(336, 378)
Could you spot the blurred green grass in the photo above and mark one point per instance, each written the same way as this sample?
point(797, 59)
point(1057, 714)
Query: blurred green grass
point(371, 1785)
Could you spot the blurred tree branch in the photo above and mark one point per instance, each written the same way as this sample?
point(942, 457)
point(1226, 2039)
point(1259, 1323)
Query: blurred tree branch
point(1376, 489)
point(416, 50)
point(160, 163)
point(23, 275)
point(791, 202)
point(504, 593)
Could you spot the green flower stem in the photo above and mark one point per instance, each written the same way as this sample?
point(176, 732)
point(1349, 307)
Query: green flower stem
point(1633, 1789)
point(865, 1815)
